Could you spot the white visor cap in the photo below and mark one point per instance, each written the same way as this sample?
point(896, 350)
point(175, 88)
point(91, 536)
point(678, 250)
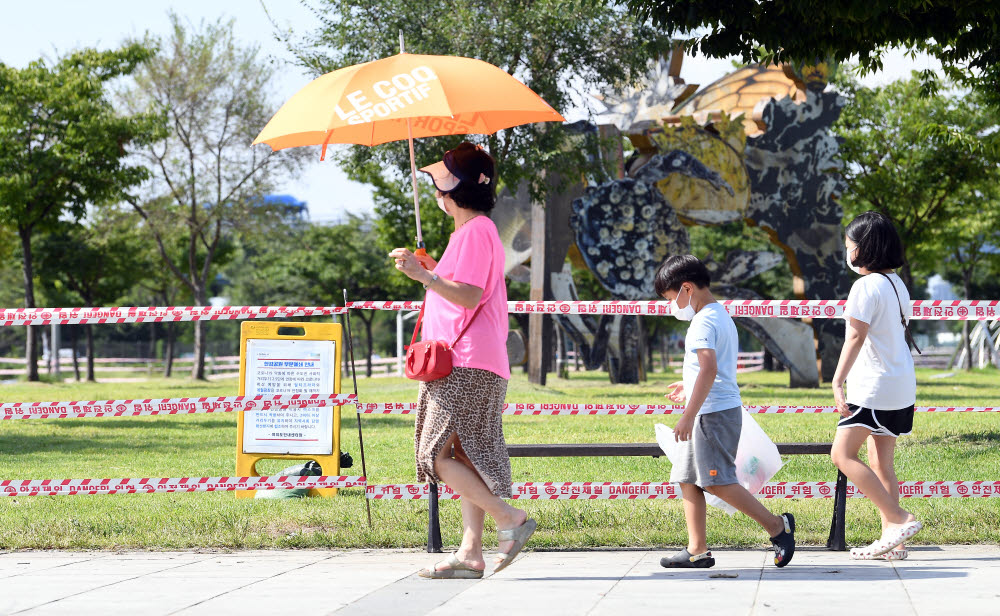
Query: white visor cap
point(444, 180)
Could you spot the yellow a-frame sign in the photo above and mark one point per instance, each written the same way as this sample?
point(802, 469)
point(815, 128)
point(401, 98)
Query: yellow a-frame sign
point(280, 358)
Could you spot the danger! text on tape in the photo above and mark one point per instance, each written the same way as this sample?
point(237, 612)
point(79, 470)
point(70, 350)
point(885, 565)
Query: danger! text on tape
point(561, 408)
point(955, 310)
point(71, 316)
point(69, 487)
point(167, 406)
point(644, 490)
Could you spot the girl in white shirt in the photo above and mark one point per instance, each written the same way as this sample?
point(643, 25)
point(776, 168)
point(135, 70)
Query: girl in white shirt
point(881, 384)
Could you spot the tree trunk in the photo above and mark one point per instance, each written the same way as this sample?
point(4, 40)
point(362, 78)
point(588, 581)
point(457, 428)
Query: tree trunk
point(368, 341)
point(906, 275)
point(90, 353)
point(152, 348)
point(168, 350)
point(27, 268)
point(198, 369)
point(74, 335)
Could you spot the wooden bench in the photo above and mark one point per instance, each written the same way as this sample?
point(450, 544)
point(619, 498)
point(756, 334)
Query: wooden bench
point(836, 540)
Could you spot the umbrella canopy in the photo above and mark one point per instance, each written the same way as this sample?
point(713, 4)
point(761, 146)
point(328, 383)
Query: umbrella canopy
point(370, 103)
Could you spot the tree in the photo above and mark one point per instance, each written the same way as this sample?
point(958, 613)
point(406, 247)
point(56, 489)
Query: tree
point(973, 243)
point(91, 265)
point(63, 146)
point(916, 180)
point(316, 264)
point(213, 92)
point(963, 34)
point(558, 48)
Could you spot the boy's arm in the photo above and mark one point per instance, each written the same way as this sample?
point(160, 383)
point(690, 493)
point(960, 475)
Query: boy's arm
point(696, 397)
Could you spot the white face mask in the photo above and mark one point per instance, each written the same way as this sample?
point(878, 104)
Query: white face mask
point(851, 266)
point(682, 314)
point(440, 200)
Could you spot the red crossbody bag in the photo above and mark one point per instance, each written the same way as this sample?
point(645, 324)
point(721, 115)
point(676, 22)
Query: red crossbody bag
point(429, 360)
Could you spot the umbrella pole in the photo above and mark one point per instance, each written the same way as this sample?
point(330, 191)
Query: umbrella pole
point(421, 249)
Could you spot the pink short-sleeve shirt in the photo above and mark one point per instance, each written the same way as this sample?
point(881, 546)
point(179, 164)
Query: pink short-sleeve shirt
point(474, 256)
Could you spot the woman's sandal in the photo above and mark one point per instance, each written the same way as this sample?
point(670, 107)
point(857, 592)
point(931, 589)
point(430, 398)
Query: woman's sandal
point(457, 570)
point(519, 536)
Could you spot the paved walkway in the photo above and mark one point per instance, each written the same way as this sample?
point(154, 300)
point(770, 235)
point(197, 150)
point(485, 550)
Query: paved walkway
point(935, 580)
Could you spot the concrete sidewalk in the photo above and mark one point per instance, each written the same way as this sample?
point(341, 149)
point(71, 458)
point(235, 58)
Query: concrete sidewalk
point(934, 580)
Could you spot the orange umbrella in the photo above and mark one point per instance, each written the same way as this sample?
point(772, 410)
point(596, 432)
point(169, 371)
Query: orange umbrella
point(402, 97)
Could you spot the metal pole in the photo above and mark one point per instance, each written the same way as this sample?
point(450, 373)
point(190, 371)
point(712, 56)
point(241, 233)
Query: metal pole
point(354, 377)
point(433, 522)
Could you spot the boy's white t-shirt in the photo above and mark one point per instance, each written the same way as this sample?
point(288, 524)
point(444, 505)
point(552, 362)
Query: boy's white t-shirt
point(882, 377)
point(713, 328)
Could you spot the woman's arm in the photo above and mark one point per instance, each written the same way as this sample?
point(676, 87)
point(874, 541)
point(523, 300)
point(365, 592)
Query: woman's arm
point(856, 333)
point(465, 295)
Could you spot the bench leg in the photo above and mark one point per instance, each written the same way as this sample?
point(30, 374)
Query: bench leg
point(433, 523)
point(837, 540)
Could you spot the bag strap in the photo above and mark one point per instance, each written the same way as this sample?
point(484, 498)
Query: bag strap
point(902, 317)
point(420, 318)
point(467, 325)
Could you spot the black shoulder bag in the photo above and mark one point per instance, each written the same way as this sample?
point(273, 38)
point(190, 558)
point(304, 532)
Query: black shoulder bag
point(902, 317)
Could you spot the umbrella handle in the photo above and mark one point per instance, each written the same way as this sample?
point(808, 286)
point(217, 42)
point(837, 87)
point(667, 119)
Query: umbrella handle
point(421, 252)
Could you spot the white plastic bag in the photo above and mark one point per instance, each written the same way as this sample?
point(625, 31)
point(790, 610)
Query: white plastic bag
point(757, 458)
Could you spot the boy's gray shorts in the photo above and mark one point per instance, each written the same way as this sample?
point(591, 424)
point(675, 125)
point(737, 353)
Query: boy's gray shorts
point(708, 458)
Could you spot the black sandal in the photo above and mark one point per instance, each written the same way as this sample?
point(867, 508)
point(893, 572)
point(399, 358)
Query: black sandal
point(784, 542)
point(684, 560)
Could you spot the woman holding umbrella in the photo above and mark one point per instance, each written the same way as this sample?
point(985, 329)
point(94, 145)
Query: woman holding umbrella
point(459, 432)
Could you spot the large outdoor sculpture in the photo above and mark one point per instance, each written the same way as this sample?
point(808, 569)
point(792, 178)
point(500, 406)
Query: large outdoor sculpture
point(755, 145)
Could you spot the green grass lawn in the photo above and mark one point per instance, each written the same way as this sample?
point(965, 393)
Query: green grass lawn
point(957, 446)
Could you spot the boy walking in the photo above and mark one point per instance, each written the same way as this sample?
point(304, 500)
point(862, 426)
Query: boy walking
point(709, 430)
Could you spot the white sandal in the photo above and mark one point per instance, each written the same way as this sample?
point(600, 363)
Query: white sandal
point(894, 554)
point(882, 546)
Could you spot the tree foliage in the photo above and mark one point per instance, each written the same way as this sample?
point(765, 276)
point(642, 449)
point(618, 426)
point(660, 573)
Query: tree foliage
point(207, 183)
point(558, 48)
point(313, 265)
point(921, 180)
point(92, 264)
point(963, 34)
point(63, 145)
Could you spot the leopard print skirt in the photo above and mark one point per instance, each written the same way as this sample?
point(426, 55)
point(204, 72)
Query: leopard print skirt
point(468, 401)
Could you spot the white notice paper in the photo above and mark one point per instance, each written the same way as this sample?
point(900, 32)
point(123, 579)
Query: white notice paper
point(281, 367)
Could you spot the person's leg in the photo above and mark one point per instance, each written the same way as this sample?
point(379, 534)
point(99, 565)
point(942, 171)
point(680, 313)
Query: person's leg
point(846, 445)
point(465, 480)
point(739, 497)
point(881, 457)
point(694, 517)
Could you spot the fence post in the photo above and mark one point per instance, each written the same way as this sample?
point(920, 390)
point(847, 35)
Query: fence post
point(837, 540)
point(433, 523)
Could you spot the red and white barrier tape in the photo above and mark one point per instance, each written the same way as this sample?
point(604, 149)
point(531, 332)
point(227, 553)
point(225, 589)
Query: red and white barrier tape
point(42, 487)
point(229, 404)
point(650, 490)
point(523, 408)
point(72, 316)
point(167, 406)
point(978, 310)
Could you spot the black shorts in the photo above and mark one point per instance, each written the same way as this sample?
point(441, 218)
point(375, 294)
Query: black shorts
point(881, 423)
